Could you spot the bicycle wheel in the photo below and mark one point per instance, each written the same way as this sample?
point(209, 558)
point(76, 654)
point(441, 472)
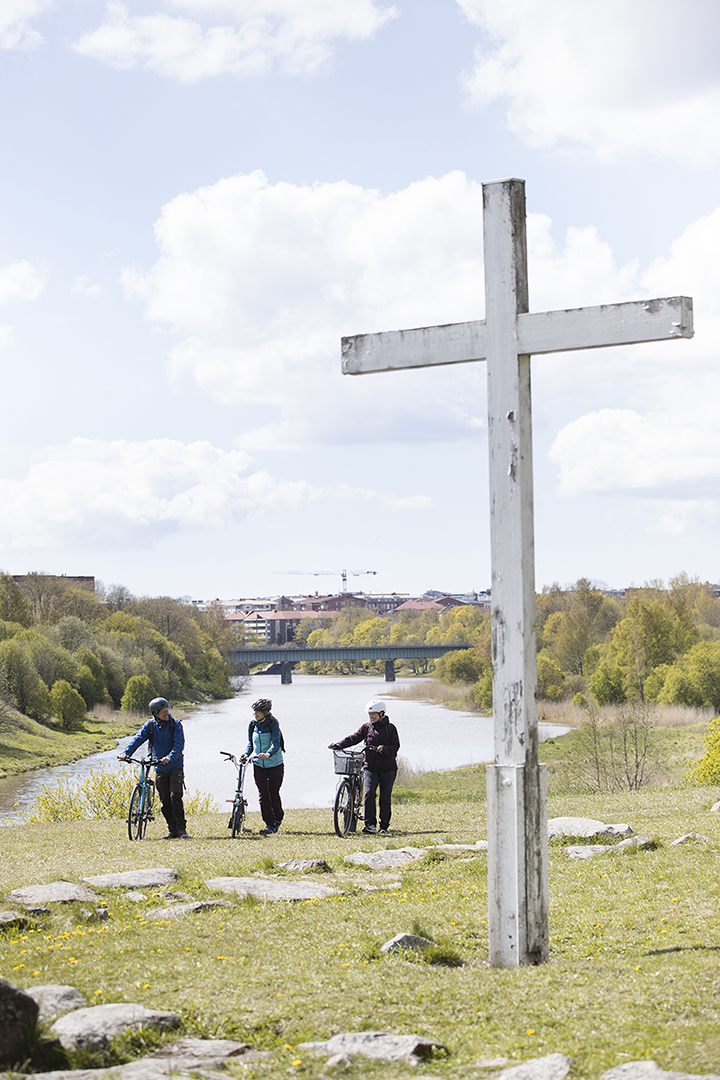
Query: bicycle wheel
point(136, 817)
point(237, 821)
point(343, 812)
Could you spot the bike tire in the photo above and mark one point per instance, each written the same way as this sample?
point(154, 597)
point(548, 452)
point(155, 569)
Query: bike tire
point(136, 817)
point(238, 819)
point(357, 796)
point(343, 809)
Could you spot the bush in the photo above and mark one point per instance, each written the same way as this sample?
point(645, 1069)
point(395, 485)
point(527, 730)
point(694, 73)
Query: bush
point(463, 666)
point(707, 770)
point(67, 705)
point(139, 692)
point(103, 793)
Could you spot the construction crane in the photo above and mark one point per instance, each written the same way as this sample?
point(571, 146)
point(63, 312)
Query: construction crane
point(330, 573)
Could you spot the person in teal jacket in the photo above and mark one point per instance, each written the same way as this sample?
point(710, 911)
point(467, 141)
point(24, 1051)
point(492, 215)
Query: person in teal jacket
point(265, 743)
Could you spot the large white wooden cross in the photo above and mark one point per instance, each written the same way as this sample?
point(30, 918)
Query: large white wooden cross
point(506, 338)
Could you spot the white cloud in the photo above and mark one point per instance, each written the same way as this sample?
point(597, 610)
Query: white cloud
point(611, 77)
point(5, 335)
point(20, 281)
point(15, 18)
point(260, 36)
point(124, 495)
point(82, 287)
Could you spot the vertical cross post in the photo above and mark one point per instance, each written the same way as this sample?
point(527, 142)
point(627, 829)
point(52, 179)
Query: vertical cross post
point(517, 802)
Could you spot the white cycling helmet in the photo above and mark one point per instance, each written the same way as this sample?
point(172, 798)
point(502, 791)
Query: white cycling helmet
point(375, 706)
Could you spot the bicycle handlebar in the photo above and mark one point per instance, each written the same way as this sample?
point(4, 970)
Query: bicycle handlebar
point(148, 762)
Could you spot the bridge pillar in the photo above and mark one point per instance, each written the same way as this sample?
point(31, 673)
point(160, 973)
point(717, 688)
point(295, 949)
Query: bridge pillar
point(285, 673)
point(389, 671)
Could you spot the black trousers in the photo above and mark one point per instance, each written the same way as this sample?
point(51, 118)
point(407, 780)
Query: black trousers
point(371, 782)
point(170, 790)
point(268, 782)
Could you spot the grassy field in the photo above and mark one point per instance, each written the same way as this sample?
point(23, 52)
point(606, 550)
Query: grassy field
point(25, 744)
point(635, 937)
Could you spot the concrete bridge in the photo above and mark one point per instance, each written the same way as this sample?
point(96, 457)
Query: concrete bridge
point(287, 656)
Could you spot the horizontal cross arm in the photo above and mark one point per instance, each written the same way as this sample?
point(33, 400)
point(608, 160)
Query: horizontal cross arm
point(537, 332)
point(605, 325)
point(456, 343)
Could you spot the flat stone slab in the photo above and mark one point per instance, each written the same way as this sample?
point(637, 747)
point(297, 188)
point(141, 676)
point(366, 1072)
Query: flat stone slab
point(56, 892)
point(272, 888)
point(552, 1067)
point(178, 1059)
point(588, 851)
point(406, 941)
point(650, 1070)
point(479, 845)
point(134, 879)
point(55, 999)
point(305, 866)
point(691, 836)
point(375, 1044)
point(134, 896)
point(178, 910)
point(386, 860)
point(94, 1027)
point(572, 826)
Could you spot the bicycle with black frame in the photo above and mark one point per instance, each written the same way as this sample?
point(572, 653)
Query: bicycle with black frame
point(349, 794)
point(238, 814)
point(140, 811)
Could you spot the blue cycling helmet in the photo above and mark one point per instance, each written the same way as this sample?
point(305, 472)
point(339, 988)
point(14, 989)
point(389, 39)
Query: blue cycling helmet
point(157, 704)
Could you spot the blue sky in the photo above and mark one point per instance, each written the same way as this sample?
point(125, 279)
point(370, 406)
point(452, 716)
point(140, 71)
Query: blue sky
point(200, 197)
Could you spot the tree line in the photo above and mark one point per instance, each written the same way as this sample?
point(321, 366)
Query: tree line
point(660, 643)
point(65, 649)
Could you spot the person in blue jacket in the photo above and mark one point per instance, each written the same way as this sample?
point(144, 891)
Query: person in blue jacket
point(265, 743)
point(166, 739)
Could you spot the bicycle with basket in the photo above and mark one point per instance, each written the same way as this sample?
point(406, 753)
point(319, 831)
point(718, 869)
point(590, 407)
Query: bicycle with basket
point(349, 794)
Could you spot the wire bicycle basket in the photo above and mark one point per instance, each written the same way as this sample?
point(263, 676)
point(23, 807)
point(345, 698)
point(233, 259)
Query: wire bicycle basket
point(348, 763)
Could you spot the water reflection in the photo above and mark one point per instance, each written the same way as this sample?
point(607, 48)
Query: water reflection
point(313, 711)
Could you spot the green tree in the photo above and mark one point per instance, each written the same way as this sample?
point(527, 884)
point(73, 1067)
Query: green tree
point(550, 679)
point(139, 692)
point(707, 769)
point(22, 682)
point(461, 666)
point(67, 705)
point(695, 678)
point(13, 605)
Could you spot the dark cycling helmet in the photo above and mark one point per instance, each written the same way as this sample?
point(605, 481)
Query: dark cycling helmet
point(263, 704)
point(157, 704)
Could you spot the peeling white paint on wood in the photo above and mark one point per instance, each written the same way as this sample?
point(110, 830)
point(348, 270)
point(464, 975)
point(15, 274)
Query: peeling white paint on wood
point(506, 338)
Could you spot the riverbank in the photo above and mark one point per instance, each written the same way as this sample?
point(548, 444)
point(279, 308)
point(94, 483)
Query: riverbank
point(633, 971)
point(26, 745)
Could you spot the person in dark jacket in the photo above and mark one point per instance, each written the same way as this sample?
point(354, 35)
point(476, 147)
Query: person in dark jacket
point(265, 743)
point(379, 765)
point(166, 740)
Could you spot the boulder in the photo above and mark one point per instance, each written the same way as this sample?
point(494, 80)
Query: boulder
point(18, 1013)
point(134, 896)
point(56, 892)
point(479, 845)
point(55, 999)
point(571, 826)
point(405, 941)
point(134, 879)
point(376, 1044)
point(633, 842)
point(552, 1067)
point(272, 888)
point(386, 860)
point(94, 1027)
point(650, 1070)
point(14, 920)
point(715, 808)
point(178, 910)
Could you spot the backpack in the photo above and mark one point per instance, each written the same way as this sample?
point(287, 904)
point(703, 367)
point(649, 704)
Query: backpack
point(253, 725)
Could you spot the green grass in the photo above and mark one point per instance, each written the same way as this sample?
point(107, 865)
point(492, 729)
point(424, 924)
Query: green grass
point(25, 744)
point(635, 938)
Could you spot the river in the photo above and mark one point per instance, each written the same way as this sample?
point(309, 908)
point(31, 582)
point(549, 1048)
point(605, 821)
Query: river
point(313, 711)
